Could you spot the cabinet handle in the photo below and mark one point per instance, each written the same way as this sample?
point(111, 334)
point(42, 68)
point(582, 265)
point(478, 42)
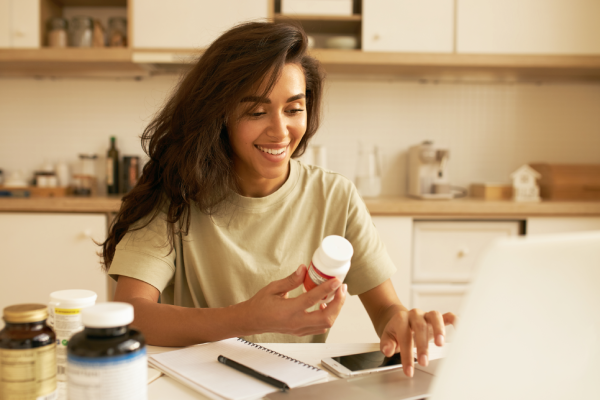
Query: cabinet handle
point(87, 233)
point(19, 33)
point(463, 252)
point(376, 36)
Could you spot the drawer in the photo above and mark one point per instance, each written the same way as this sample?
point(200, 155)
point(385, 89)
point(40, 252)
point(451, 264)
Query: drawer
point(440, 297)
point(448, 251)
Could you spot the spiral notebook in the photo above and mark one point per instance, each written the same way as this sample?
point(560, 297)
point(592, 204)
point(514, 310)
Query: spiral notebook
point(198, 368)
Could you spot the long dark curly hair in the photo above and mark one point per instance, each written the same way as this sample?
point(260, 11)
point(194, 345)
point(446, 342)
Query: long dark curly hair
point(191, 159)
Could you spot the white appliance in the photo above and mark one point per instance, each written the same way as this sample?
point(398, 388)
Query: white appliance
point(428, 172)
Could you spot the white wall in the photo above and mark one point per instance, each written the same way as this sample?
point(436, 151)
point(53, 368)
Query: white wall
point(490, 128)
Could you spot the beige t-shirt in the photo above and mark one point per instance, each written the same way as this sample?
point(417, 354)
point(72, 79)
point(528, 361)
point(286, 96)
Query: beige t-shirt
point(225, 259)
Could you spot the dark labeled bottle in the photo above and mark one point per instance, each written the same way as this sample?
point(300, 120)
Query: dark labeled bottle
point(27, 354)
point(112, 168)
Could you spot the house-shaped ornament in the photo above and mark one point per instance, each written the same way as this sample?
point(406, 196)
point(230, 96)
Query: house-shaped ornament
point(525, 187)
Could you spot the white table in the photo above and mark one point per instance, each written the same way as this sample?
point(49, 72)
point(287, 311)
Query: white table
point(310, 353)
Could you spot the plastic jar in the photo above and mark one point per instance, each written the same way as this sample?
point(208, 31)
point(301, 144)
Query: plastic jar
point(27, 354)
point(64, 317)
point(107, 360)
point(330, 260)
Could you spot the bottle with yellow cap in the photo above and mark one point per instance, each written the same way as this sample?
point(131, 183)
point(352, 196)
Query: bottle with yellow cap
point(27, 354)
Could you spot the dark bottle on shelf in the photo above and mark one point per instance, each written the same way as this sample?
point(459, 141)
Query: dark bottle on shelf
point(112, 168)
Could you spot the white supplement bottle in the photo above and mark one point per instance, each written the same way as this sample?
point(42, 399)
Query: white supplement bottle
point(330, 260)
point(107, 360)
point(64, 317)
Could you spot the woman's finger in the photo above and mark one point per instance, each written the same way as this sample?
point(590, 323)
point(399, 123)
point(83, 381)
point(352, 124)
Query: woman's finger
point(319, 293)
point(405, 340)
point(450, 318)
point(436, 322)
point(288, 283)
point(419, 327)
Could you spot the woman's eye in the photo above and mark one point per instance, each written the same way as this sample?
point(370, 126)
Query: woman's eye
point(295, 110)
point(257, 114)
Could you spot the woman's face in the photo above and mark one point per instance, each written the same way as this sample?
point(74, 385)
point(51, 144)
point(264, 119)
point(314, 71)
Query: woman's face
point(264, 139)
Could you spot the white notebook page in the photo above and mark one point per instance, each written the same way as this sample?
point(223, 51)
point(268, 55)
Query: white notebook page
point(197, 366)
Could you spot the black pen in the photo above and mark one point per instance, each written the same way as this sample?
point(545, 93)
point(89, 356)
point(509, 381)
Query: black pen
point(249, 371)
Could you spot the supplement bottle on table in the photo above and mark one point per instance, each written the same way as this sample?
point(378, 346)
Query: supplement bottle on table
point(64, 317)
point(107, 360)
point(330, 260)
point(27, 354)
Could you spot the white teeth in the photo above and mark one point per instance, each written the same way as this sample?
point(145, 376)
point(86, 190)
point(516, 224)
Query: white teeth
point(271, 151)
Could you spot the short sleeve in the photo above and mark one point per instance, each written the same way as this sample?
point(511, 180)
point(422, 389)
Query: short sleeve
point(371, 265)
point(146, 255)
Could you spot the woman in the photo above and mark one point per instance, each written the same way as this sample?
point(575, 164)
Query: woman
point(223, 215)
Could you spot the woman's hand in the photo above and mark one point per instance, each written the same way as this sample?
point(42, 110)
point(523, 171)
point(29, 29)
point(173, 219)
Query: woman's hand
point(270, 310)
point(414, 328)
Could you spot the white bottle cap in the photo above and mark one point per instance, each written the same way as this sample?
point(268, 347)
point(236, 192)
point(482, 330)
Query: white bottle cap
point(334, 252)
point(73, 298)
point(107, 315)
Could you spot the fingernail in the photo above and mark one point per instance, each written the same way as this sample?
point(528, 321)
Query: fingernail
point(386, 350)
point(337, 284)
point(299, 270)
point(440, 340)
point(345, 288)
point(409, 371)
point(423, 359)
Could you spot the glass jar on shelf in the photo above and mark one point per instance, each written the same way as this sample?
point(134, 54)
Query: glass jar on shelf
point(85, 182)
point(81, 31)
point(117, 32)
point(57, 32)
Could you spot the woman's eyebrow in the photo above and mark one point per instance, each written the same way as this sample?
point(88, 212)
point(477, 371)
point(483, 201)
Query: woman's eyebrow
point(257, 99)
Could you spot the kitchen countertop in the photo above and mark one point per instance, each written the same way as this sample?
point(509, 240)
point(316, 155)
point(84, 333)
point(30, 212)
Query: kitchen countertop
point(400, 206)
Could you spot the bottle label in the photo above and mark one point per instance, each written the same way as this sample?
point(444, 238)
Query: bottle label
point(314, 277)
point(66, 322)
point(122, 377)
point(110, 173)
point(28, 373)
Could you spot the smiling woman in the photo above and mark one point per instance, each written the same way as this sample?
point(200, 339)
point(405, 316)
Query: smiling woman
point(265, 136)
point(223, 219)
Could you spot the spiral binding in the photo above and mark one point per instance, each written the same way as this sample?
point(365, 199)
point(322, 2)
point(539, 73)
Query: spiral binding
point(259, 347)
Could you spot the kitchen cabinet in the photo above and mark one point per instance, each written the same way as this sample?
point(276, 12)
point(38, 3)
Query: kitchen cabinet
point(550, 225)
point(408, 26)
point(353, 324)
point(188, 24)
point(44, 252)
point(20, 24)
point(445, 255)
point(528, 27)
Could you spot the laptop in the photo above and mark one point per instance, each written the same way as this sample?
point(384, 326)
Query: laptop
point(529, 329)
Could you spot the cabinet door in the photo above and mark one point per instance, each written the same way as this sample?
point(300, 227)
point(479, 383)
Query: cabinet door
point(539, 226)
point(408, 25)
point(25, 23)
point(353, 324)
point(528, 27)
point(4, 23)
point(448, 251)
point(189, 24)
point(42, 253)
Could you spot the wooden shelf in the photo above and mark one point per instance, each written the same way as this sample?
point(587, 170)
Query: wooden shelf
point(106, 62)
point(111, 62)
point(459, 66)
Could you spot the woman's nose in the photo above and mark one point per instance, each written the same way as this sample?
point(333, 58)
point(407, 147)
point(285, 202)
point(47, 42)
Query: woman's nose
point(278, 128)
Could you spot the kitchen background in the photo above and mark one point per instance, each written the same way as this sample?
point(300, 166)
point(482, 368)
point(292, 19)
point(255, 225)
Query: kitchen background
point(500, 83)
point(491, 128)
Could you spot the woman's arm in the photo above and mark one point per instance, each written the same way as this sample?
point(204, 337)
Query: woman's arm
point(268, 311)
point(400, 329)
